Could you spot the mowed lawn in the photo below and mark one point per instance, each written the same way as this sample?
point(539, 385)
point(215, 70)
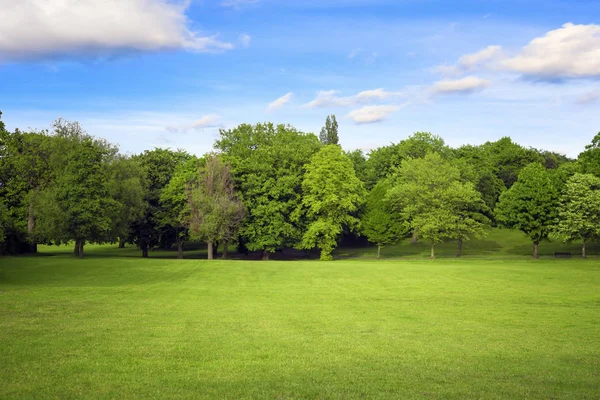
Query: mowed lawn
point(109, 327)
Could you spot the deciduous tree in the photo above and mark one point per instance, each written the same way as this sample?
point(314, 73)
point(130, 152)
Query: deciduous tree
point(579, 211)
point(530, 205)
point(333, 195)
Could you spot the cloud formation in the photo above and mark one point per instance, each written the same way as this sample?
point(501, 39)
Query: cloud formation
point(280, 102)
point(464, 85)
point(572, 51)
point(329, 98)
point(39, 29)
point(372, 114)
point(207, 121)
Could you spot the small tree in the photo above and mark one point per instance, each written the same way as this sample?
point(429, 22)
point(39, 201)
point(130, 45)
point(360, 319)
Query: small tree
point(380, 223)
point(333, 195)
point(530, 205)
point(329, 133)
point(215, 210)
point(579, 211)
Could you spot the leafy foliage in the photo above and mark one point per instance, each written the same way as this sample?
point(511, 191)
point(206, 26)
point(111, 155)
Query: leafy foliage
point(530, 205)
point(268, 168)
point(579, 211)
point(332, 195)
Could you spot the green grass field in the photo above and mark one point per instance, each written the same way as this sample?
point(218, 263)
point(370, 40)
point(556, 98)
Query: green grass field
point(125, 327)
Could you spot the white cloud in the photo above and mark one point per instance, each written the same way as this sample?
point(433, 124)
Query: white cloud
point(329, 98)
point(589, 97)
point(280, 102)
point(572, 51)
point(470, 61)
point(371, 114)
point(468, 84)
point(207, 121)
point(36, 29)
point(245, 40)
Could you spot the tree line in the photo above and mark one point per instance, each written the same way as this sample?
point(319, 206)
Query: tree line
point(268, 187)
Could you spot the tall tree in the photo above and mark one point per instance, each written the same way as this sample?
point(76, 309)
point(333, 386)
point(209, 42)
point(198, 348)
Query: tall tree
point(215, 210)
point(158, 167)
point(437, 203)
point(380, 223)
point(579, 211)
point(333, 195)
point(530, 205)
point(509, 158)
point(175, 211)
point(329, 133)
point(268, 167)
point(78, 206)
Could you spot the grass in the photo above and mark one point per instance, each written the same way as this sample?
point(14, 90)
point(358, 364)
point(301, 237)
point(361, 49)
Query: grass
point(124, 327)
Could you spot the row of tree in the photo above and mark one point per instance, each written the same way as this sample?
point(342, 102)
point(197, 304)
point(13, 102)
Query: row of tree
point(268, 187)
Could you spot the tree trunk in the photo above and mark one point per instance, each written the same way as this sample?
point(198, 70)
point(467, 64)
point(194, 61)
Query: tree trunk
point(265, 256)
point(460, 246)
point(180, 250)
point(144, 247)
point(210, 249)
point(121, 243)
point(76, 249)
point(535, 249)
point(81, 243)
point(432, 251)
point(225, 250)
point(414, 237)
point(583, 252)
point(378, 252)
point(31, 227)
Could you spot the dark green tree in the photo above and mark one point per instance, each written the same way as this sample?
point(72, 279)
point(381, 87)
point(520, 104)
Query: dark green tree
point(590, 158)
point(158, 167)
point(381, 224)
point(329, 133)
point(530, 205)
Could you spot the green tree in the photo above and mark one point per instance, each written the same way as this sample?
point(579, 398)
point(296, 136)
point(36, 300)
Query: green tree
point(26, 171)
point(590, 158)
point(268, 167)
point(530, 205)
point(431, 195)
point(384, 161)
point(380, 223)
point(329, 133)
point(360, 163)
point(78, 205)
point(174, 209)
point(127, 189)
point(579, 211)
point(158, 167)
point(215, 210)
point(333, 195)
point(509, 158)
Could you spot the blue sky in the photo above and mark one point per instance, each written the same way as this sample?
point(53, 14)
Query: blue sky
point(146, 73)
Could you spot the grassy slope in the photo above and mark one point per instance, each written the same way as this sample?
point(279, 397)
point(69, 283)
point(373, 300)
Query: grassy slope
point(131, 328)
